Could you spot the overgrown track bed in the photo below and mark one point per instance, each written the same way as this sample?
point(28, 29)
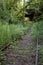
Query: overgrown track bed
point(22, 54)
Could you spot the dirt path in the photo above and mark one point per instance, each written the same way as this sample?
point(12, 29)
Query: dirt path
point(22, 54)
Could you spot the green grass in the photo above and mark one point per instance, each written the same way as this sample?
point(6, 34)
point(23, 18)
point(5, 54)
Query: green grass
point(9, 33)
point(37, 30)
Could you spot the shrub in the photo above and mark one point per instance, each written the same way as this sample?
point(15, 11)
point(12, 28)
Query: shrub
point(37, 30)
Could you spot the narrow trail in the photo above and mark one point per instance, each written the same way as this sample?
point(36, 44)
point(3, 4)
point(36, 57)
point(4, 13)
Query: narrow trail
point(25, 58)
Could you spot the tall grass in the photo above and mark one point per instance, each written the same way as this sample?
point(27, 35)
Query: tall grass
point(9, 33)
point(37, 30)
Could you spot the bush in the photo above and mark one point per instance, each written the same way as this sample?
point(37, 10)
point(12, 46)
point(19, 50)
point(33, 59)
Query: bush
point(37, 30)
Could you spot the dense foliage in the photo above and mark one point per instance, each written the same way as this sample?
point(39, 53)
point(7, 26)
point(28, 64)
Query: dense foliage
point(37, 32)
point(14, 24)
